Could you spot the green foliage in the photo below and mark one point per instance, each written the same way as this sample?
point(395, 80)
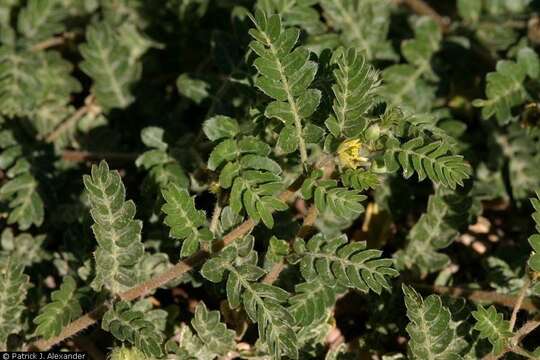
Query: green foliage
point(504, 87)
point(428, 161)
point(130, 325)
point(186, 222)
point(213, 339)
point(312, 299)
point(63, 308)
point(41, 18)
point(492, 326)
point(117, 234)
point(409, 85)
point(328, 196)
point(262, 302)
point(431, 328)
point(354, 91)
point(534, 240)
point(362, 24)
point(285, 74)
point(253, 178)
point(14, 285)
point(436, 229)
point(106, 61)
point(265, 146)
point(347, 264)
point(21, 191)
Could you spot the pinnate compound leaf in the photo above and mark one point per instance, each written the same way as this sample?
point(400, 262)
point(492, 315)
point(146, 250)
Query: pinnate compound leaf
point(312, 300)
point(492, 326)
point(362, 25)
point(14, 285)
point(534, 240)
point(284, 74)
point(505, 86)
point(354, 91)
point(194, 89)
point(214, 334)
point(431, 329)
point(447, 213)
point(40, 19)
point(107, 62)
point(336, 261)
point(429, 160)
point(262, 302)
point(20, 192)
point(186, 222)
point(130, 325)
point(63, 308)
point(219, 127)
point(117, 234)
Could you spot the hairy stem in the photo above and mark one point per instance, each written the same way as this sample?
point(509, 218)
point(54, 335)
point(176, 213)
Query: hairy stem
point(157, 281)
point(517, 306)
point(482, 296)
point(89, 107)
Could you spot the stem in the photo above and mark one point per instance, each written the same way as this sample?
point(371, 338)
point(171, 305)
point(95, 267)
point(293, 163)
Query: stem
point(422, 8)
point(482, 296)
point(52, 42)
point(88, 107)
point(517, 306)
point(303, 232)
point(79, 156)
point(146, 287)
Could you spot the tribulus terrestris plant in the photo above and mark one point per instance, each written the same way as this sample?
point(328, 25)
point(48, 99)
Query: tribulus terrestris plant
point(270, 179)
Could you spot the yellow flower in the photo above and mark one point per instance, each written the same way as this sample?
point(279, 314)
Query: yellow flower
point(349, 153)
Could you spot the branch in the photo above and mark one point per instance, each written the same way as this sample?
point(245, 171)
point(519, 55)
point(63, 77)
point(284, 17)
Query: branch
point(517, 306)
point(147, 286)
point(303, 232)
point(89, 107)
point(482, 296)
point(52, 42)
point(422, 8)
point(80, 156)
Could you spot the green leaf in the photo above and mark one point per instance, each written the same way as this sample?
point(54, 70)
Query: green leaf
point(447, 214)
point(219, 127)
point(351, 265)
point(406, 85)
point(504, 89)
point(262, 302)
point(469, 10)
point(428, 161)
point(194, 89)
point(360, 179)
point(284, 75)
point(492, 326)
point(354, 91)
point(41, 19)
point(129, 325)
point(431, 329)
point(312, 300)
point(117, 234)
point(362, 25)
point(534, 240)
point(214, 335)
point(63, 308)
point(16, 81)
point(152, 137)
point(186, 222)
point(341, 202)
point(14, 285)
point(107, 62)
